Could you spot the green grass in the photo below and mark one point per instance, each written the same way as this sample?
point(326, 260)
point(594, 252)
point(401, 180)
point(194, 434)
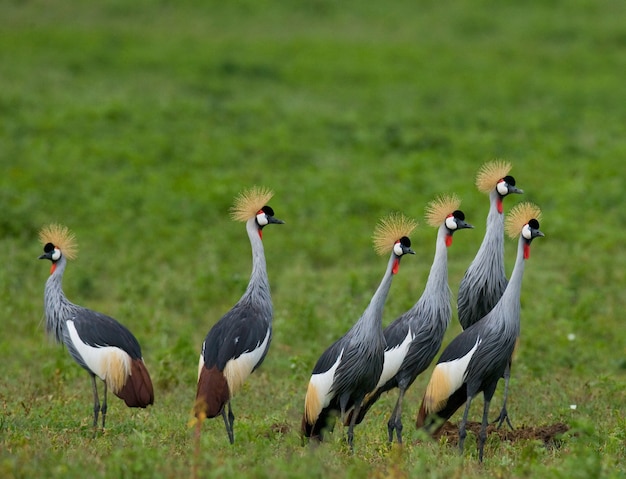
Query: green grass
point(136, 124)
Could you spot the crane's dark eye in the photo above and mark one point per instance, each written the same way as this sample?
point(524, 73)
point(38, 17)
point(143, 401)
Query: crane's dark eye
point(459, 215)
point(405, 241)
point(48, 248)
point(510, 180)
point(534, 224)
point(268, 210)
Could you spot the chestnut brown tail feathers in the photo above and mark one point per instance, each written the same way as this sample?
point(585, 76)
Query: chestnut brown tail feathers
point(138, 390)
point(213, 392)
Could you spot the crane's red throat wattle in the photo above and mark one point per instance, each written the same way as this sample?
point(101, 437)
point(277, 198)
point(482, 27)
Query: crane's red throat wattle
point(53, 268)
point(499, 205)
point(448, 240)
point(526, 250)
point(396, 266)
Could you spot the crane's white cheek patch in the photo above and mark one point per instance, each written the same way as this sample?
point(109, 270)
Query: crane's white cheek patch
point(237, 370)
point(451, 223)
point(502, 188)
point(393, 359)
point(109, 363)
point(446, 379)
point(319, 393)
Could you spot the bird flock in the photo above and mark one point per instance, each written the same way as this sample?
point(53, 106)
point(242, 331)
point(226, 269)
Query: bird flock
point(369, 359)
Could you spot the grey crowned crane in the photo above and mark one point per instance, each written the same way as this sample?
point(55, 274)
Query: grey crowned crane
point(98, 343)
point(476, 359)
point(350, 368)
point(415, 337)
point(485, 278)
point(237, 344)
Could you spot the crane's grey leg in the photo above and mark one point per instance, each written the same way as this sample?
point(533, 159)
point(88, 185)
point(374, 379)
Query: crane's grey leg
point(504, 415)
point(395, 421)
point(104, 407)
point(355, 413)
point(229, 420)
point(482, 435)
point(462, 431)
point(96, 401)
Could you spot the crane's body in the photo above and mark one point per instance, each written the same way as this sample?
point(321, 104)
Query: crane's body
point(477, 358)
point(238, 343)
point(351, 367)
point(98, 343)
point(415, 337)
point(485, 280)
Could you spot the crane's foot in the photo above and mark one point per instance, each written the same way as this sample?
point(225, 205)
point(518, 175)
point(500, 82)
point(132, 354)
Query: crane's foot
point(503, 417)
point(395, 425)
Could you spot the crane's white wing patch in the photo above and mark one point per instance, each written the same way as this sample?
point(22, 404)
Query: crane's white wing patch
point(319, 393)
point(394, 358)
point(201, 361)
point(237, 370)
point(109, 363)
point(446, 379)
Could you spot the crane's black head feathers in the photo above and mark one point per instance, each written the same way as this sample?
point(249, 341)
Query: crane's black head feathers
point(509, 180)
point(405, 241)
point(48, 248)
point(268, 210)
point(534, 224)
point(459, 215)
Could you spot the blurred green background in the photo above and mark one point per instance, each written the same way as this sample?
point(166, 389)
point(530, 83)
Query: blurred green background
point(137, 123)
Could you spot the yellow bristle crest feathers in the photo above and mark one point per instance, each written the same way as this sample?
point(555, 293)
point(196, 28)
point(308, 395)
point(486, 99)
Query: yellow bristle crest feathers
point(390, 229)
point(490, 173)
point(249, 202)
point(61, 237)
point(440, 208)
point(519, 215)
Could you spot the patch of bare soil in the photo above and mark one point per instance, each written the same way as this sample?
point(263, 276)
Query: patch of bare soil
point(549, 434)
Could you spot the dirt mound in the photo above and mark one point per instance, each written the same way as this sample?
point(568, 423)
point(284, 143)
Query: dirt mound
point(549, 434)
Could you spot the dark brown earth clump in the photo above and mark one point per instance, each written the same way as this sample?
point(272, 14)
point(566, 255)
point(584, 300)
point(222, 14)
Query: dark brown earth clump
point(549, 434)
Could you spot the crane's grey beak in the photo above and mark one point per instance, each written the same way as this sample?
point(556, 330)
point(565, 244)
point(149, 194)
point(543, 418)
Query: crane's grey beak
point(46, 256)
point(513, 189)
point(276, 221)
point(462, 224)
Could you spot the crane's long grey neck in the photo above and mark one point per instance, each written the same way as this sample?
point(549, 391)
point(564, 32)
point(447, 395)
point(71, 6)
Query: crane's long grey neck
point(510, 300)
point(259, 283)
point(56, 306)
point(437, 283)
point(373, 314)
point(492, 248)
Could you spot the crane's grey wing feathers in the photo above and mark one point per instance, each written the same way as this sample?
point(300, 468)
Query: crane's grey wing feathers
point(358, 371)
point(461, 344)
point(98, 330)
point(240, 330)
point(479, 292)
point(329, 357)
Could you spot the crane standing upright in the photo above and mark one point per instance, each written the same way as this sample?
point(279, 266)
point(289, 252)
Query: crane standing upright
point(98, 343)
point(475, 360)
point(485, 279)
point(351, 366)
point(237, 344)
point(415, 337)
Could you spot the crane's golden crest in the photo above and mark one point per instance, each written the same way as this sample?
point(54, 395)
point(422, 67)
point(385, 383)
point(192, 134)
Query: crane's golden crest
point(520, 215)
point(490, 173)
point(390, 229)
point(249, 202)
point(440, 208)
point(61, 237)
